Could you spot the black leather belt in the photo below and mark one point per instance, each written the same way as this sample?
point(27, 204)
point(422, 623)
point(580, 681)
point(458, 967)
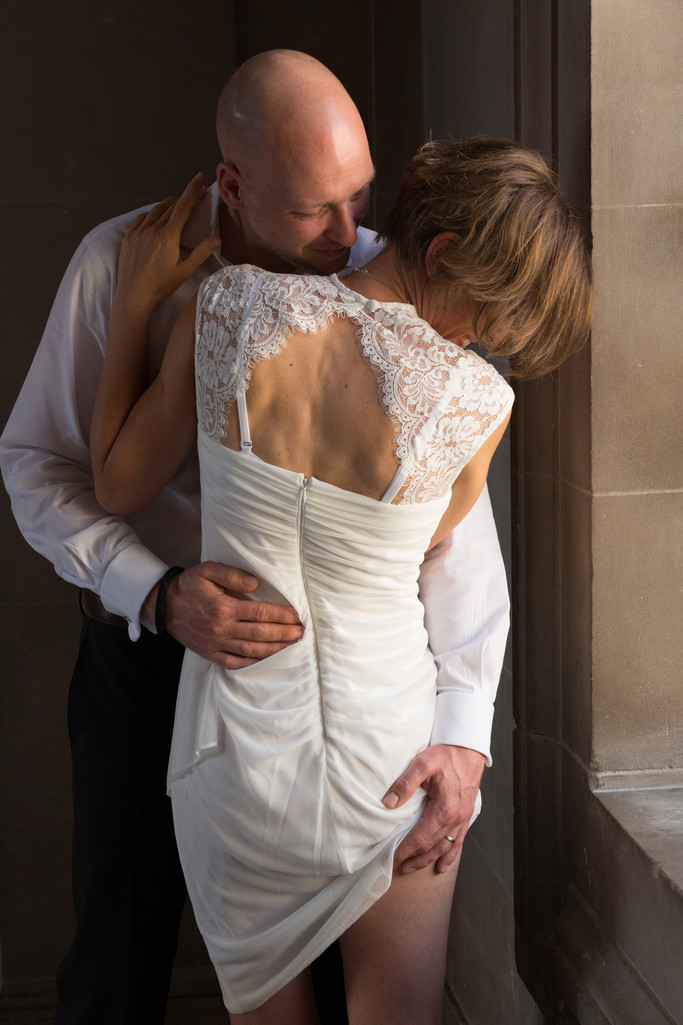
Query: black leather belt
point(92, 606)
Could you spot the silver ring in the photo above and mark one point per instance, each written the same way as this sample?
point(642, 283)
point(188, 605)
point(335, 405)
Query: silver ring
point(451, 839)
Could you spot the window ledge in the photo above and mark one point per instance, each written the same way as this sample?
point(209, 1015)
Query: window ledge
point(619, 931)
point(654, 819)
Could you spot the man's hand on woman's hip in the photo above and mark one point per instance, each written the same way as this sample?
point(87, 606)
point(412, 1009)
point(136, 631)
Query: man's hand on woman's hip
point(204, 612)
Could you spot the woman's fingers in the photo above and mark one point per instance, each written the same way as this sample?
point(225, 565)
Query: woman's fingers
point(159, 212)
point(201, 252)
point(192, 193)
point(137, 221)
point(176, 209)
point(152, 264)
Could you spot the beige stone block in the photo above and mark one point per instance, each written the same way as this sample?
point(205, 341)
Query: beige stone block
point(637, 639)
point(637, 356)
point(637, 97)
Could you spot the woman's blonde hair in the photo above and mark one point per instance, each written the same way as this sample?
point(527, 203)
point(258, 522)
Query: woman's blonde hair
point(519, 250)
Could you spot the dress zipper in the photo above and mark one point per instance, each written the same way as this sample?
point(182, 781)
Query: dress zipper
point(300, 513)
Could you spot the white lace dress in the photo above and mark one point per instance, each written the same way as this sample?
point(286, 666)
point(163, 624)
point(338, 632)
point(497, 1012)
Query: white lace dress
point(278, 770)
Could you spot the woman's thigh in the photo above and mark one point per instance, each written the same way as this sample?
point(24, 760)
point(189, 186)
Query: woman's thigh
point(394, 961)
point(294, 1004)
point(395, 954)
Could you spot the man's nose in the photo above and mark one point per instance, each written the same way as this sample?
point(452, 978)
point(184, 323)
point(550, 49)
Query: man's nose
point(343, 228)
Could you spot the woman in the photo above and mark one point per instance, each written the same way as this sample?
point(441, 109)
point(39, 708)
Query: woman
point(343, 429)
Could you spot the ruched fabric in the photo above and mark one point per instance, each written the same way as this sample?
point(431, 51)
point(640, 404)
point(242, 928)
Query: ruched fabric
point(278, 770)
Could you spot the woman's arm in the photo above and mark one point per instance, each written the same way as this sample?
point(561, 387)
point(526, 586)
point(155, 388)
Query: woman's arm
point(140, 436)
point(468, 485)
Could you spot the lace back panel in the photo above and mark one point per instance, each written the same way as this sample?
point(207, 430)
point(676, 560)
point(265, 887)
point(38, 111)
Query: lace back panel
point(442, 401)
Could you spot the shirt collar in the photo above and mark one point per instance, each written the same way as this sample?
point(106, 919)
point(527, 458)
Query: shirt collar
point(204, 221)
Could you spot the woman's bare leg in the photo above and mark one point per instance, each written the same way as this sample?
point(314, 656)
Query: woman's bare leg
point(395, 954)
point(294, 1004)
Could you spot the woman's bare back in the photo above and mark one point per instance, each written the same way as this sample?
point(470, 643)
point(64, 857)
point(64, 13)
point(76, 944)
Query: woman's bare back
point(315, 409)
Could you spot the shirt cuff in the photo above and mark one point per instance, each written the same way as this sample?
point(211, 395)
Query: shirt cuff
point(465, 720)
point(127, 582)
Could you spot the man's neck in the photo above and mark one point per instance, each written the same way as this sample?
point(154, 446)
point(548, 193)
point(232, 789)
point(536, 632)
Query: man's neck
point(236, 249)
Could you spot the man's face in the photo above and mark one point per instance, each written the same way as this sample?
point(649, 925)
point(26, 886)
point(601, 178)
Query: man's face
point(306, 216)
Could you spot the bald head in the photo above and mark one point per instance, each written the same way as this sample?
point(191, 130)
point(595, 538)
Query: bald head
point(281, 102)
point(296, 164)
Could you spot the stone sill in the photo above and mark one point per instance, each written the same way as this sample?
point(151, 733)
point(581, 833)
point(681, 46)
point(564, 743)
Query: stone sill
point(637, 779)
point(654, 819)
point(600, 896)
point(619, 934)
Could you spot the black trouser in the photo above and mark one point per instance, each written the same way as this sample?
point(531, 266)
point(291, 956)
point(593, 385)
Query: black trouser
point(128, 886)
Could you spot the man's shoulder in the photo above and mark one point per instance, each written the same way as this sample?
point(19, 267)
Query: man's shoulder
point(108, 235)
point(96, 258)
point(365, 247)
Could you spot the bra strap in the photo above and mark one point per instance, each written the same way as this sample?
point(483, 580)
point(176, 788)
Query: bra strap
point(396, 484)
point(243, 417)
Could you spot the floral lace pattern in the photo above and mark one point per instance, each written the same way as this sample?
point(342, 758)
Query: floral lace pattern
point(443, 401)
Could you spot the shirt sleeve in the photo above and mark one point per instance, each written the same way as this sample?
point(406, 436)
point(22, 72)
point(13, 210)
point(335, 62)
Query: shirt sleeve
point(463, 588)
point(44, 450)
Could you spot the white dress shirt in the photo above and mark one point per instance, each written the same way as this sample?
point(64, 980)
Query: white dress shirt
point(45, 458)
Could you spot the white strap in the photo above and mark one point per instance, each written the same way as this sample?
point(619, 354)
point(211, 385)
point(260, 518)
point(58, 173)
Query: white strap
point(245, 436)
point(396, 485)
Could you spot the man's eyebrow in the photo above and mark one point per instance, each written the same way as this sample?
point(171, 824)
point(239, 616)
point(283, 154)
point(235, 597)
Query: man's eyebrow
point(366, 186)
point(319, 206)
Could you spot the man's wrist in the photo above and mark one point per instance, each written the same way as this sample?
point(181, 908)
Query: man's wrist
point(162, 595)
point(476, 757)
point(130, 580)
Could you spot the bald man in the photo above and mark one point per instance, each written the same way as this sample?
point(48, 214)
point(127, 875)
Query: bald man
point(290, 192)
point(295, 177)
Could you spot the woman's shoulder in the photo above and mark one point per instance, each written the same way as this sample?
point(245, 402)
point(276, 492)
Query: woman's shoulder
point(235, 282)
point(225, 279)
point(478, 367)
point(427, 348)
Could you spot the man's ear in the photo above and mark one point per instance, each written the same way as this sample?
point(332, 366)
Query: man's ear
point(229, 183)
point(439, 242)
